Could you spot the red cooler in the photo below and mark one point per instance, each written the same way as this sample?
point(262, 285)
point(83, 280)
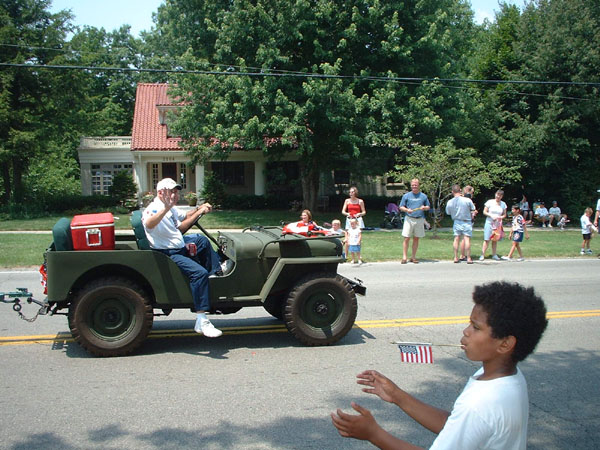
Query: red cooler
point(93, 232)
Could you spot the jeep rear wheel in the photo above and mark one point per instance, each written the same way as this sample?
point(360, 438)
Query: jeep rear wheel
point(320, 309)
point(110, 317)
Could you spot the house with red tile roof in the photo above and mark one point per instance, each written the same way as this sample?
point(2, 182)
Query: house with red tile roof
point(151, 154)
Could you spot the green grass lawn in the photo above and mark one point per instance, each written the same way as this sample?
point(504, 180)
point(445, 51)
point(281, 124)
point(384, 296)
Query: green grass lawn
point(215, 220)
point(24, 249)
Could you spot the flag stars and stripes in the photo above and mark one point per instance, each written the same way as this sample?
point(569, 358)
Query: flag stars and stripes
point(416, 353)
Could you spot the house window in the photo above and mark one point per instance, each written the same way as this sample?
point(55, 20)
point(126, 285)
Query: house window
point(102, 176)
point(183, 176)
point(230, 173)
point(155, 175)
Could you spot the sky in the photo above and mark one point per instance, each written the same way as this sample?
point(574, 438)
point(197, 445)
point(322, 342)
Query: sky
point(111, 14)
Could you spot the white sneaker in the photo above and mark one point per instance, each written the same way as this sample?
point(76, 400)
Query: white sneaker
point(582, 252)
point(589, 251)
point(495, 258)
point(549, 225)
point(521, 259)
point(505, 258)
point(207, 329)
point(481, 258)
point(360, 262)
point(543, 225)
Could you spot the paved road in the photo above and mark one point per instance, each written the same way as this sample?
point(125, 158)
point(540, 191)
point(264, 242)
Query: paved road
point(257, 388)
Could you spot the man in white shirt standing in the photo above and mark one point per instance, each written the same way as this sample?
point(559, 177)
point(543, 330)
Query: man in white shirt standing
point(597, 212)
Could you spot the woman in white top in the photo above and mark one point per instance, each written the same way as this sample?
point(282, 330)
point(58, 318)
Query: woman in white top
point(354, 208)
point(495, 212)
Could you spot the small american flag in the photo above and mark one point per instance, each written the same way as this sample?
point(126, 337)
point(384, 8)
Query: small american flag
point(416, 353)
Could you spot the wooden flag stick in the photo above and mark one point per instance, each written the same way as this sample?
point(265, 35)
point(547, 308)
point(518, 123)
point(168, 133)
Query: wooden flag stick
point(425, 343)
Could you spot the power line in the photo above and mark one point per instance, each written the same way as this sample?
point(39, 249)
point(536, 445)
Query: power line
point(296, 74)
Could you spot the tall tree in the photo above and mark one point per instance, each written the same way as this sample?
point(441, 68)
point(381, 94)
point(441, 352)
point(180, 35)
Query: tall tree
point(44, 112)
point(28, 33)
point(349, 107)
point(551, 129)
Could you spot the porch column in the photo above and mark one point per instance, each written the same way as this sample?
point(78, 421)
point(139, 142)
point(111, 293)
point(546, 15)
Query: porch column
point(86, 179)
point(199, 178)
point(260, 181)
point(139, 175)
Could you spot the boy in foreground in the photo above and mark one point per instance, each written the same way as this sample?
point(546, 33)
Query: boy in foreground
point(505, 326)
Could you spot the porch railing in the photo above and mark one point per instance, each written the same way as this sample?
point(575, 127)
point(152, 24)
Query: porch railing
point(105, 142)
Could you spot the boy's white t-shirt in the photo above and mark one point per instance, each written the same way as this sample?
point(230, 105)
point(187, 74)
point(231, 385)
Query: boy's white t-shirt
point(354, 236)
point(490, 414)
point(586, 225)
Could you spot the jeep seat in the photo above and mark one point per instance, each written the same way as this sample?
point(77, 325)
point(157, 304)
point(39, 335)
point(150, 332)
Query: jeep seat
point(138, 231)
point(61, 235)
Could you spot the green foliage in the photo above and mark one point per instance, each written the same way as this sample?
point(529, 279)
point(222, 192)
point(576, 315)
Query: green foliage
point(123, 188)
point(440, 166)
point(326, 121)
point(550, 130)
point(214, 190)
point(191, 198)
point(52, 175)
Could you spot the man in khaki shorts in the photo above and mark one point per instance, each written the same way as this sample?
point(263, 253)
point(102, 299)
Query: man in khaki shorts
point(414, 204)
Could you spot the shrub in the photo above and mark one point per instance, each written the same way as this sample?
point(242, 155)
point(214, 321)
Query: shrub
point(123, 188)
point(214, 191)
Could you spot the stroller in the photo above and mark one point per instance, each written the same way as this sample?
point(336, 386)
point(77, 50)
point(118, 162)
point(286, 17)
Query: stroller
point(392, 217)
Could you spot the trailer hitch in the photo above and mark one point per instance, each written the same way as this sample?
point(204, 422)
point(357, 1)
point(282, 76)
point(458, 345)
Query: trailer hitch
point(15, 299)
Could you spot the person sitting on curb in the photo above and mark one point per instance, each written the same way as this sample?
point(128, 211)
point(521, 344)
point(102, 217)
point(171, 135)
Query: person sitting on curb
point(541, 215)
point(492, 411)
point(555, 214)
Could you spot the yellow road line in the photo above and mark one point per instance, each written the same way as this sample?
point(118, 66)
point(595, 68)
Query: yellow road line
point(280, 328)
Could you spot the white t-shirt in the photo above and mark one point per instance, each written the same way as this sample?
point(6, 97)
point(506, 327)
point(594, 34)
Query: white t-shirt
point(586, 225)
point(489, 414)
point(554, 211)
point(541, 211)
point(354, 236)
point(494, 209)
point(165, 235)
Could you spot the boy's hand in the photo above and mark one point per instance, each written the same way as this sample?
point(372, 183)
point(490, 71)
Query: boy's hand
point(378, 384)
point(361, 427)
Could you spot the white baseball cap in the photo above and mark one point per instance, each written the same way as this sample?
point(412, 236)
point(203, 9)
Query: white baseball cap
point(167, 183)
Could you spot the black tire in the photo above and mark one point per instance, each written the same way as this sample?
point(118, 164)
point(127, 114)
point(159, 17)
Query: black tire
point(274, 306)
point(110, 316)
point(320, 309)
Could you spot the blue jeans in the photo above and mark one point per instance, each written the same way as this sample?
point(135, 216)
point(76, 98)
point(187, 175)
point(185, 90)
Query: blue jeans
point(197, 269)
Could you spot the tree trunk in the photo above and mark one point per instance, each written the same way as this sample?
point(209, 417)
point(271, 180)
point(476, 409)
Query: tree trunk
point(309, 175)
point(6, 182)
point(17, 180)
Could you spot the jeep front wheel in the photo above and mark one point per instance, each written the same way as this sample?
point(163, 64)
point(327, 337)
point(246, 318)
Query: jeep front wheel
point(320, 309)
point(110, 317)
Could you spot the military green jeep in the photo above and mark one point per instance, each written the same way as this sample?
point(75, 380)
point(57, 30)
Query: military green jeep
point(112, 296)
